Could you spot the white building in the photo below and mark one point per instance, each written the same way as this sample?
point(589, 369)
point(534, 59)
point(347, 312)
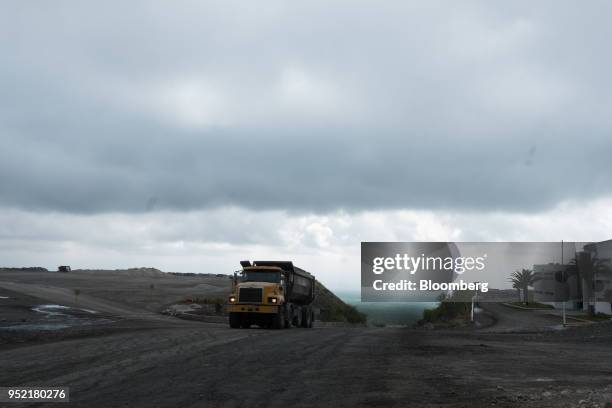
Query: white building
point(584, 283)
point(596, 272)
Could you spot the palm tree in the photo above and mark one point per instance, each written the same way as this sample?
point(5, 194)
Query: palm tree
point(522, 280)
point(518, 290)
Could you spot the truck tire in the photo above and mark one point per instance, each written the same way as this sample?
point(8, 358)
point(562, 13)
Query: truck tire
point(278, 321)
point(305, 317)
point(234, 320)
point(287, 318)
point(297, 318)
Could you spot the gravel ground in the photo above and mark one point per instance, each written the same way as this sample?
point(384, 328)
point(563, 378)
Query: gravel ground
point(147, 360)
point(194, 364)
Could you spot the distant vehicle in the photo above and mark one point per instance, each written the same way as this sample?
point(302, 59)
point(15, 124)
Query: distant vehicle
point(272, 294)
point(64, 268)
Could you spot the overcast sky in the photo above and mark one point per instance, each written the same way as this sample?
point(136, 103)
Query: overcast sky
point(190, 135)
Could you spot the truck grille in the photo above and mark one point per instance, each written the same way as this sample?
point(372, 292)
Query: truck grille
point(253, 295)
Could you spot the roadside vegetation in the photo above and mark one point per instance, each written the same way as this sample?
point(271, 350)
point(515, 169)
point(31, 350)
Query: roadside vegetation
point(447, 312)
point(342, 313)
point(333, 309)
point(451, 311)
point(531, 305)
point(522, 280)
point(597, 317)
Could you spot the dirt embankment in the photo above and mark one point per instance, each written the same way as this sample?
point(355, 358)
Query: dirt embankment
point(143, 292)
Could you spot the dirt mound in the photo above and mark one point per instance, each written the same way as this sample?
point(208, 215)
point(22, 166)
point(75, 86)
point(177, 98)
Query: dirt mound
point(26, 269)
point(133, 272)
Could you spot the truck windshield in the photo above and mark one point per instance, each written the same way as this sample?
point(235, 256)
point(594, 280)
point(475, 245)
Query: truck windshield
point(261, 276)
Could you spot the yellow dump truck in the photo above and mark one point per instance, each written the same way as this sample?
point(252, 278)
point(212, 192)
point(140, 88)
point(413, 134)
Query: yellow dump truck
point(271, 294)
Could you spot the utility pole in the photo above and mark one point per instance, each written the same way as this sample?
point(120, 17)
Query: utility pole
point(563, 272)
point(474, 300)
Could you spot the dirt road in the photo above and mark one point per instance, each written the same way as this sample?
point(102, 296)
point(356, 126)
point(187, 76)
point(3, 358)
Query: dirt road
point(195, 365)
point(508, 319)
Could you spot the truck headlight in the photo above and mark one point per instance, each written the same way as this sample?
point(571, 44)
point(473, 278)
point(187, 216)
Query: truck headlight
point(232, 299)
point(272, 300)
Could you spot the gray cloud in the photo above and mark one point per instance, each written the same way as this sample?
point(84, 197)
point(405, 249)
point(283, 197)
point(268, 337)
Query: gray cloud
point(215, 240)
point(309, 107)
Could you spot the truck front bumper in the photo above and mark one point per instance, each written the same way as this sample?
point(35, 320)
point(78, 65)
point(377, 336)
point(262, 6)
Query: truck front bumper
point(247, 308)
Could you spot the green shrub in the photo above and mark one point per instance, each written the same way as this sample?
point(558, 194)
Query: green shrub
point(446, 311)
point(342, 313)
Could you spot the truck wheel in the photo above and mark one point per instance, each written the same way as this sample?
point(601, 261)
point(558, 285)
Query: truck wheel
point(278, 321)
point(297, 318)
point(245, 324)
point(234, 320)
point(305, 316)
point(287, 318)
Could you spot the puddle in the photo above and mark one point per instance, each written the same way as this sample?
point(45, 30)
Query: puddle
point(51, 310)
point(58, 317)
point(59, 310)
